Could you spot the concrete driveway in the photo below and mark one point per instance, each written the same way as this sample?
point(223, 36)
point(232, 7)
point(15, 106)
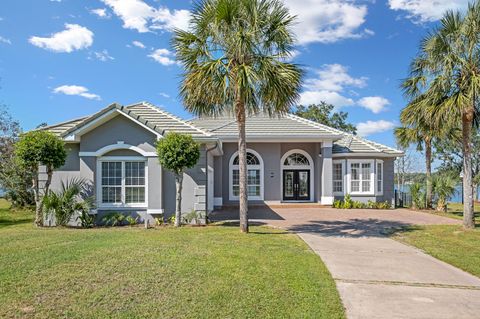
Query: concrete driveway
point(378, 277)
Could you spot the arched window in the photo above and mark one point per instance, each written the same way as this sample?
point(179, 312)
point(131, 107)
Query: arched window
point(254, 176)
point(296, 159)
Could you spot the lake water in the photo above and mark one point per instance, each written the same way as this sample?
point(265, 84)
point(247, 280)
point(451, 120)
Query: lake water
point(456, 198)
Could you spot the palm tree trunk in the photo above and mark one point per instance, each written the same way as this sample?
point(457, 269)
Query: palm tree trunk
point(242, 165)
point(428, 164)
point(467, 123)
point(178, 206)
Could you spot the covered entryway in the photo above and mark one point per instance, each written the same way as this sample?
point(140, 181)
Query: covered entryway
point(297, 176)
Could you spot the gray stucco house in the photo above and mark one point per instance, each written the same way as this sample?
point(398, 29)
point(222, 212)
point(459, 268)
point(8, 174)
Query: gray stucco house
point(290, 159)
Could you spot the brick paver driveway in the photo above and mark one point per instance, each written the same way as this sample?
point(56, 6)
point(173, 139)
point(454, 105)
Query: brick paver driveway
point(376, 276)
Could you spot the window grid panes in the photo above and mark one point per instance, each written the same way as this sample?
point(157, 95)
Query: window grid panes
point(123, 182)
point(361, 177)
point(251, 160)
point(379, 177)
point(296, 159)
point(111, 182)
point(366, 167)
point(253, 182)
point(355, 177)
point(337, 177)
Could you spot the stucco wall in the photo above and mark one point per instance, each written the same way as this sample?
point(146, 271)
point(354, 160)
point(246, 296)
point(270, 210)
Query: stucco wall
point(271, 154)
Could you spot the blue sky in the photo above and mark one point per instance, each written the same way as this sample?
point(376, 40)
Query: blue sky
point(62, 59)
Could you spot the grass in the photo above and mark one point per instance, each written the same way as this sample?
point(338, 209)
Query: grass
point(451, 244)
point(207, 272)
point(455, 210)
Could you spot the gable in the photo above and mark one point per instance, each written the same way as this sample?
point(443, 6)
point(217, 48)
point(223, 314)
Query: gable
point(118, 129)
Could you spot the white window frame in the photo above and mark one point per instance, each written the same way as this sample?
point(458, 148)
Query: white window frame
point(341, 162)
point(371, 191)
point(377, 191)
point(121, 159)
point(232, 167)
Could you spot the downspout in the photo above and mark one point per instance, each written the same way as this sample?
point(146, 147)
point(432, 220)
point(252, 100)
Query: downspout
point(206, 179)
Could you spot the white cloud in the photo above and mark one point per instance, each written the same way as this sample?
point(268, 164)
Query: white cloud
point(376, 104)
point(5, 40)
point(163, 56)
point(138, 44)
point(101, 12)
point(334, 77)
point(76, 90)
point(103, 56)
point(138, 15)
point(74, 37)
point(315, 97)
point(427, 10)
point(328, 21)
point(330, 81)
point(163, 94)
point(373, 127)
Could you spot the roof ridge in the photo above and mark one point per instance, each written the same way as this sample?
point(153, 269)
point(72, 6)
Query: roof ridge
point(176, 118)
point(64, 122)
point(314, 124)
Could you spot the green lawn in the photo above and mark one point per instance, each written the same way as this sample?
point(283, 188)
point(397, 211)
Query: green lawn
point(455, 210)
point(209, 272)
point(451, 244)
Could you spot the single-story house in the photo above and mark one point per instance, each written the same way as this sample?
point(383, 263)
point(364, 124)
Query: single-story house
point(290, 159)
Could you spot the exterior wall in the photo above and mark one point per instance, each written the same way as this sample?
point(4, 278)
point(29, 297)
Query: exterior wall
point(193, 192)
point(388, 182)
point(271, 154)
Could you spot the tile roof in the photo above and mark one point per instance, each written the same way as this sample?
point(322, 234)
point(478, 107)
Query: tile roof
point(144, 112)
point(260, 125)
point(257, 126)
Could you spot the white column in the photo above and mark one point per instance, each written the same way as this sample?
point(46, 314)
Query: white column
point(326, 178)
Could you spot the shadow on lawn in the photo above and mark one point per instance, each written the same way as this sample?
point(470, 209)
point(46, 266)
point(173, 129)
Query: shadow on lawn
point(354, 228)
point(8, 221)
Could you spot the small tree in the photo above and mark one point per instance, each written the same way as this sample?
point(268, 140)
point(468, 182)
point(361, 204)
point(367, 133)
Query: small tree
point(37, 148)
point(177, 152)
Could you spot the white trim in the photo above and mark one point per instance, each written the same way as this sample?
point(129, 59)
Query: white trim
point(302, 167)
point(119, 146)
point(123, 205)
point(379, 192)
point(231, 167)
point(217, 201)
point(286, 138)
point(105, 118)
point(344, 186)
point(155, 211)
point(372, 177)
point(326, 200)
point(327, 144)
point(366, 155)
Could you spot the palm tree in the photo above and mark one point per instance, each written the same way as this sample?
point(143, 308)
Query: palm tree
point(235, 57)
point(444, 188)
point(72, 198)
point(416, 129)
point(446, 75)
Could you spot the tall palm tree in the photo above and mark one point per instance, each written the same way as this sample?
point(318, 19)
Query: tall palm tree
point(235, 57)
point(447, 74)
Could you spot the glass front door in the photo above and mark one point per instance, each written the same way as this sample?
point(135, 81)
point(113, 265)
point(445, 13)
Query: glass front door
point(296, 185)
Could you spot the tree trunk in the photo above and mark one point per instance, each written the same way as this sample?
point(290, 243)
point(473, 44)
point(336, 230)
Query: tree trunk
point(178, 206)
point(38, 201)
point(242, 157)
point(468, 215)
point(48, 182)
point(428, 164)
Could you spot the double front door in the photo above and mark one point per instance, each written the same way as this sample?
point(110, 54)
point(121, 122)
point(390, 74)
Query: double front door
point(296, 185)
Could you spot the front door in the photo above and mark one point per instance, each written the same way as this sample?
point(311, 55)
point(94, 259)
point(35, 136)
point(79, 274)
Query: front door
point(296, 185)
